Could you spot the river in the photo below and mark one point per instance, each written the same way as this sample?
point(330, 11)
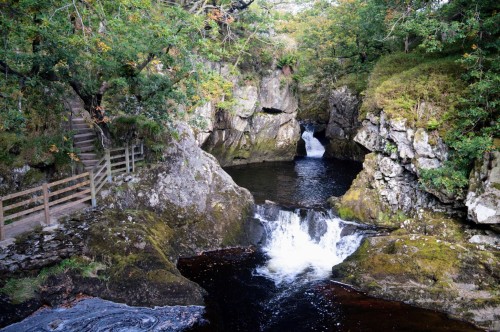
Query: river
point(283, 284)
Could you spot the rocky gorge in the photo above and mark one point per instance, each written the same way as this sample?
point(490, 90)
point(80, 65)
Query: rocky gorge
point(426, 253)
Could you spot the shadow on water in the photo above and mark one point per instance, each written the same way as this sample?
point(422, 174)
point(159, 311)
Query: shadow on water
point(239, 300)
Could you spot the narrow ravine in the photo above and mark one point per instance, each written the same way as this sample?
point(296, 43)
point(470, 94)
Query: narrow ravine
point(284, 284)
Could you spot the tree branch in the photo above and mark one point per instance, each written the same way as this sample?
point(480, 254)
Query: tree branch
point(7, 70)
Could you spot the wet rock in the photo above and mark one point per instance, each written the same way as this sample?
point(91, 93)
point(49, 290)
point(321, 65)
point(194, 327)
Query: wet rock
point(429, 262)
point(101, 315)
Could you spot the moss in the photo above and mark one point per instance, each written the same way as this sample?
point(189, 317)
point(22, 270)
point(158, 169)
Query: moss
point(415, 87)
point(33, 176)
point(20, 290)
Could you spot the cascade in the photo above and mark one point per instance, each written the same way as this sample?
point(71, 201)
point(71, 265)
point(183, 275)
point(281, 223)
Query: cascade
point(304, 246)
point(314, 148)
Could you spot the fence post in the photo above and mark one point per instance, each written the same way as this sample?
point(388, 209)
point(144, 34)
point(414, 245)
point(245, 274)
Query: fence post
point(133, 158)
point(2, 230)
point(127, 158)
point(108, 165)
point(92, 188)
point(45, 188)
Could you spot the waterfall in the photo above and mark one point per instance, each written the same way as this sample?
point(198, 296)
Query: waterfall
point(314, 148)
point(304, 245)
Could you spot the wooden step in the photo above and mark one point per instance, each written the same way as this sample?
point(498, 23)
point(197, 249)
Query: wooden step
point(84, 149)
point(83, 141)
point(84, 135)
point(87, 156)
point(78, 126)
point(89, 162)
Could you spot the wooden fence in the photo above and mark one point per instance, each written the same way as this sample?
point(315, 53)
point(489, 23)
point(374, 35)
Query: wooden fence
point(66, 193)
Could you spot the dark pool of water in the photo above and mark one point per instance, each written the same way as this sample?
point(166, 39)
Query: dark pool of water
point(306, 182)
point(239, 300)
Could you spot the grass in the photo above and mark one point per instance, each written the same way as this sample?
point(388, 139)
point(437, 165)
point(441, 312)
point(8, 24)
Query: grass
point(20, 290)
point(421, 89)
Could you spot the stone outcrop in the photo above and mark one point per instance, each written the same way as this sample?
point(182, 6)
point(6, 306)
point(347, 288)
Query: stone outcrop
point(343, 125)
point(431, 261)
point(483, 197)
point(388, 186)
point(262, 125)
point(179, 207)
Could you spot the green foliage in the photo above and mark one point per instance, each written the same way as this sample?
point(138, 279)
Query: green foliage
point(449, 178)
point(49, 149)
point(20, 290)
point(418, 90)
point(287, 60)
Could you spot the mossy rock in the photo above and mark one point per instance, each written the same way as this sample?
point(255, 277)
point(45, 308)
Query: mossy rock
point(432, 266)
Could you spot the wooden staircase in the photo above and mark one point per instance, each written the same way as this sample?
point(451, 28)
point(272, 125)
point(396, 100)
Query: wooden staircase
point(85, 137)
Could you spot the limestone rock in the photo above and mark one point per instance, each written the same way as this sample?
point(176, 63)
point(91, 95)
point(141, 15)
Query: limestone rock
point(483, 198)
point(262, 126)
point(383, 193)
point(413, 149)
point(191, 190)
point(275, 93)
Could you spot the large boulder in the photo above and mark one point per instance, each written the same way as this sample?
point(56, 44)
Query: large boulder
point(483, 198)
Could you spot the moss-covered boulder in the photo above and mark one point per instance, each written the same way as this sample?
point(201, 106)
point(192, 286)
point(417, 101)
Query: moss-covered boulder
point(432, 262)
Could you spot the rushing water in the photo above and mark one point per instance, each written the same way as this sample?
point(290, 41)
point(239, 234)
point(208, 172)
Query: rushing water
point(313, 146)
point(303, 247)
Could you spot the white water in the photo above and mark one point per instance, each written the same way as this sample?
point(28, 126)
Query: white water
point(314, 148)
point(303, 248)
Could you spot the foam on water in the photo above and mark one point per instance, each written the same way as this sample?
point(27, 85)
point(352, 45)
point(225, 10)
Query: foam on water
point(314, 148)
point(303, 247)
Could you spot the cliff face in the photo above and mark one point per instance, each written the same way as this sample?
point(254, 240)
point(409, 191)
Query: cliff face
point(343, 125)
point(388, 186)
point(261, 126)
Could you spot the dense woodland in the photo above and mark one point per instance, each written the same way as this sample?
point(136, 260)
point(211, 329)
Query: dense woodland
point(150, 61)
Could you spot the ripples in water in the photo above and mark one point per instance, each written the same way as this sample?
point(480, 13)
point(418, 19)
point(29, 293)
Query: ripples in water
point(95, 315)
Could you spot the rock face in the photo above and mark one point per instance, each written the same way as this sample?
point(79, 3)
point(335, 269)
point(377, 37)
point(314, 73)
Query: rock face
point(343, 125)
point(189, 192)
point(388, 185)
point(179, 207)
point(483, 198)
point(261, 127)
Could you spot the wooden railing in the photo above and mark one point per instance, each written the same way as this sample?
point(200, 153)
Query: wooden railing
point(66, 193)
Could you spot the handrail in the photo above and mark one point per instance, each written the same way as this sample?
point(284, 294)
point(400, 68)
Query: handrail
point(70, 188)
